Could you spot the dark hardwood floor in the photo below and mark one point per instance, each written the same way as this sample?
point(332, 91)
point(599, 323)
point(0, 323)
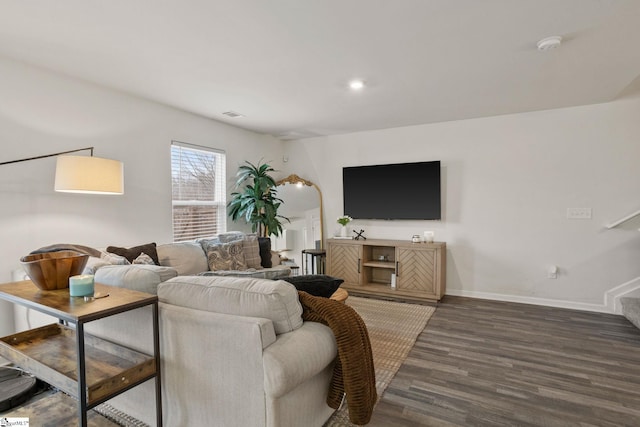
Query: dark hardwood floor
point(490, 363)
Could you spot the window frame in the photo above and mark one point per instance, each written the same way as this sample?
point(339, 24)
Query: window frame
point(219, 219)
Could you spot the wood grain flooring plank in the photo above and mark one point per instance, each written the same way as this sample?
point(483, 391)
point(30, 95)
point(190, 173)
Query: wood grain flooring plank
point(491, 363)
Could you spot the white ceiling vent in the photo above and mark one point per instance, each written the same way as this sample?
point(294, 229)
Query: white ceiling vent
point(549, 43)
point(291, 135)
point(232, 114)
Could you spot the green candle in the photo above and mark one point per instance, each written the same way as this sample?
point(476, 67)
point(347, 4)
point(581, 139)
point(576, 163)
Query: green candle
point(81, 285)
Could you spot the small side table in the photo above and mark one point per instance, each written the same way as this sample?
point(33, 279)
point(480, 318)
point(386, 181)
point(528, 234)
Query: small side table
point(103, 369)
point(340, 295)
point(318, 257)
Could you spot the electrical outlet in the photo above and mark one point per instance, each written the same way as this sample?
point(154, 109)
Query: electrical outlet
point(578, 213)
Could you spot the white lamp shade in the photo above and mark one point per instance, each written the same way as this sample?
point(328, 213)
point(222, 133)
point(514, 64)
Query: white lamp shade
point(92, 175)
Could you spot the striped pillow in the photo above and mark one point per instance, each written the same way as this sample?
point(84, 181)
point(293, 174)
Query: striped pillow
point(251, 249)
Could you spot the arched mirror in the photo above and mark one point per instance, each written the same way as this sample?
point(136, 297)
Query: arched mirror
point(303, 206)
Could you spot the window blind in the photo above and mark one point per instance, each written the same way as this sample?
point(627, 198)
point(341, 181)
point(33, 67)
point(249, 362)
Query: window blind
point(198, 189)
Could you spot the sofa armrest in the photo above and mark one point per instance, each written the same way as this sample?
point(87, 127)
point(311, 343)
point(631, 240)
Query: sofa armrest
point(139, 277)
point(297, 356)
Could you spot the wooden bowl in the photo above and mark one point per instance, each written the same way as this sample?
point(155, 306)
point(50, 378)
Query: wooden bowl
point(51, 270)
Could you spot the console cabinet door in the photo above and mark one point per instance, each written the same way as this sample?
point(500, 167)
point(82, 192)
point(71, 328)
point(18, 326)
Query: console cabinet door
point(344, 261)
point(417, 271)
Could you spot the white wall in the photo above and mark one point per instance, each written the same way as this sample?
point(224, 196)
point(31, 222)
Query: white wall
point(42, 113)
point(507, 182)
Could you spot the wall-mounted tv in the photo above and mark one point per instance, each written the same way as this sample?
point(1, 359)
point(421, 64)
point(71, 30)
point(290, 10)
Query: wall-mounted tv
point(392, 191)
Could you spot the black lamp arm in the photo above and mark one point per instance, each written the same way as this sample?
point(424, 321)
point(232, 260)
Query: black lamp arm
point(48, 155)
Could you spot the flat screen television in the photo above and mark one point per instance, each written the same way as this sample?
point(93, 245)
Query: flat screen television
point(392, 191)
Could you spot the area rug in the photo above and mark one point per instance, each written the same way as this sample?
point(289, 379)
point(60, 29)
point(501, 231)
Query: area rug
point(118, 417)
point(393, 329)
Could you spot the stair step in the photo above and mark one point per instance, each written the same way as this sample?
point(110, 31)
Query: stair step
point(631, 309)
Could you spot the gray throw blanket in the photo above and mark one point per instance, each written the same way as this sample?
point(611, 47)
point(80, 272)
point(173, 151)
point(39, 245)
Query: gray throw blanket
point(68, 247)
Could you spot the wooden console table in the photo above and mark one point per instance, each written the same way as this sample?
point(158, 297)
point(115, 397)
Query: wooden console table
point(369, 267)
point(85, 367)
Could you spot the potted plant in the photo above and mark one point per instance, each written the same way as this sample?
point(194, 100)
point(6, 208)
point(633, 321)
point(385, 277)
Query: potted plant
point(257, 201)
point(344, 220)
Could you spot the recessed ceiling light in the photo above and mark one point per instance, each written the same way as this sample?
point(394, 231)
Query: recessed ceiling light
point(549, 43)
point(356, 84)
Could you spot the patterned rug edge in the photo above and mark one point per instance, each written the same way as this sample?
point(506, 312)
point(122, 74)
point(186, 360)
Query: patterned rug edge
point(376, 314)
point(118, 417)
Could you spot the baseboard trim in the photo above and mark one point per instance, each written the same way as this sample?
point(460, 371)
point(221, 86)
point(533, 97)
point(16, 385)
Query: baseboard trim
point(599, 308)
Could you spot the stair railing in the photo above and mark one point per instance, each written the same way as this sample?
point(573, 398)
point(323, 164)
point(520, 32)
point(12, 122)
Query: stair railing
point(624, 219)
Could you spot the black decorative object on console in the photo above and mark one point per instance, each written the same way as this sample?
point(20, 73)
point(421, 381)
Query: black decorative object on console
point(359, 235)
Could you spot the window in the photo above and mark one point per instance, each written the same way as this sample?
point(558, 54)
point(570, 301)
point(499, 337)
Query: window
point(198, 183)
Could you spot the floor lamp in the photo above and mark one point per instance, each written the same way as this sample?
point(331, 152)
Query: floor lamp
point(84, 174)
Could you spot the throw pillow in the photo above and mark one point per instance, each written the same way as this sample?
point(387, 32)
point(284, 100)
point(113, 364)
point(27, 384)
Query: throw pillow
point(264, 244)
point(225, 256)
point(230, 236)
point(114, 259)
point(94, 263)
point(251, 249)
point(133, 253)
point(143, 259)
point(275, 259)
point(318, 285)
point(186, 257)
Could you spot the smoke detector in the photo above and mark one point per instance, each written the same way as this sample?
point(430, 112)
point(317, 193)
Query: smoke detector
point(549, 43)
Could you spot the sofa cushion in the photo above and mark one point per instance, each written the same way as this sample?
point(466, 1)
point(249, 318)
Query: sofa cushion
point(209, 241)
point(278, 272)
point(143, 259)
point(231, 236)
point(114, 259)
point(251, 249)
point(139, 277)
point(284, 369)
point(319, 285)
point(187, 258)
point(250, 246)
point(270, 299)
point(132, 253)
point(265, 252)
point(93, 264)
point(275, 259)
point(225, 256)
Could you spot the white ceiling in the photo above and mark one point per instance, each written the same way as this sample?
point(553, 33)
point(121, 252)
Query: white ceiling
point(285, 64)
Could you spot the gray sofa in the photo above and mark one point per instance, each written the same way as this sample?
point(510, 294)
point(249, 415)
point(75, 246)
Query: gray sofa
point(234, 352)
point(188, 259)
